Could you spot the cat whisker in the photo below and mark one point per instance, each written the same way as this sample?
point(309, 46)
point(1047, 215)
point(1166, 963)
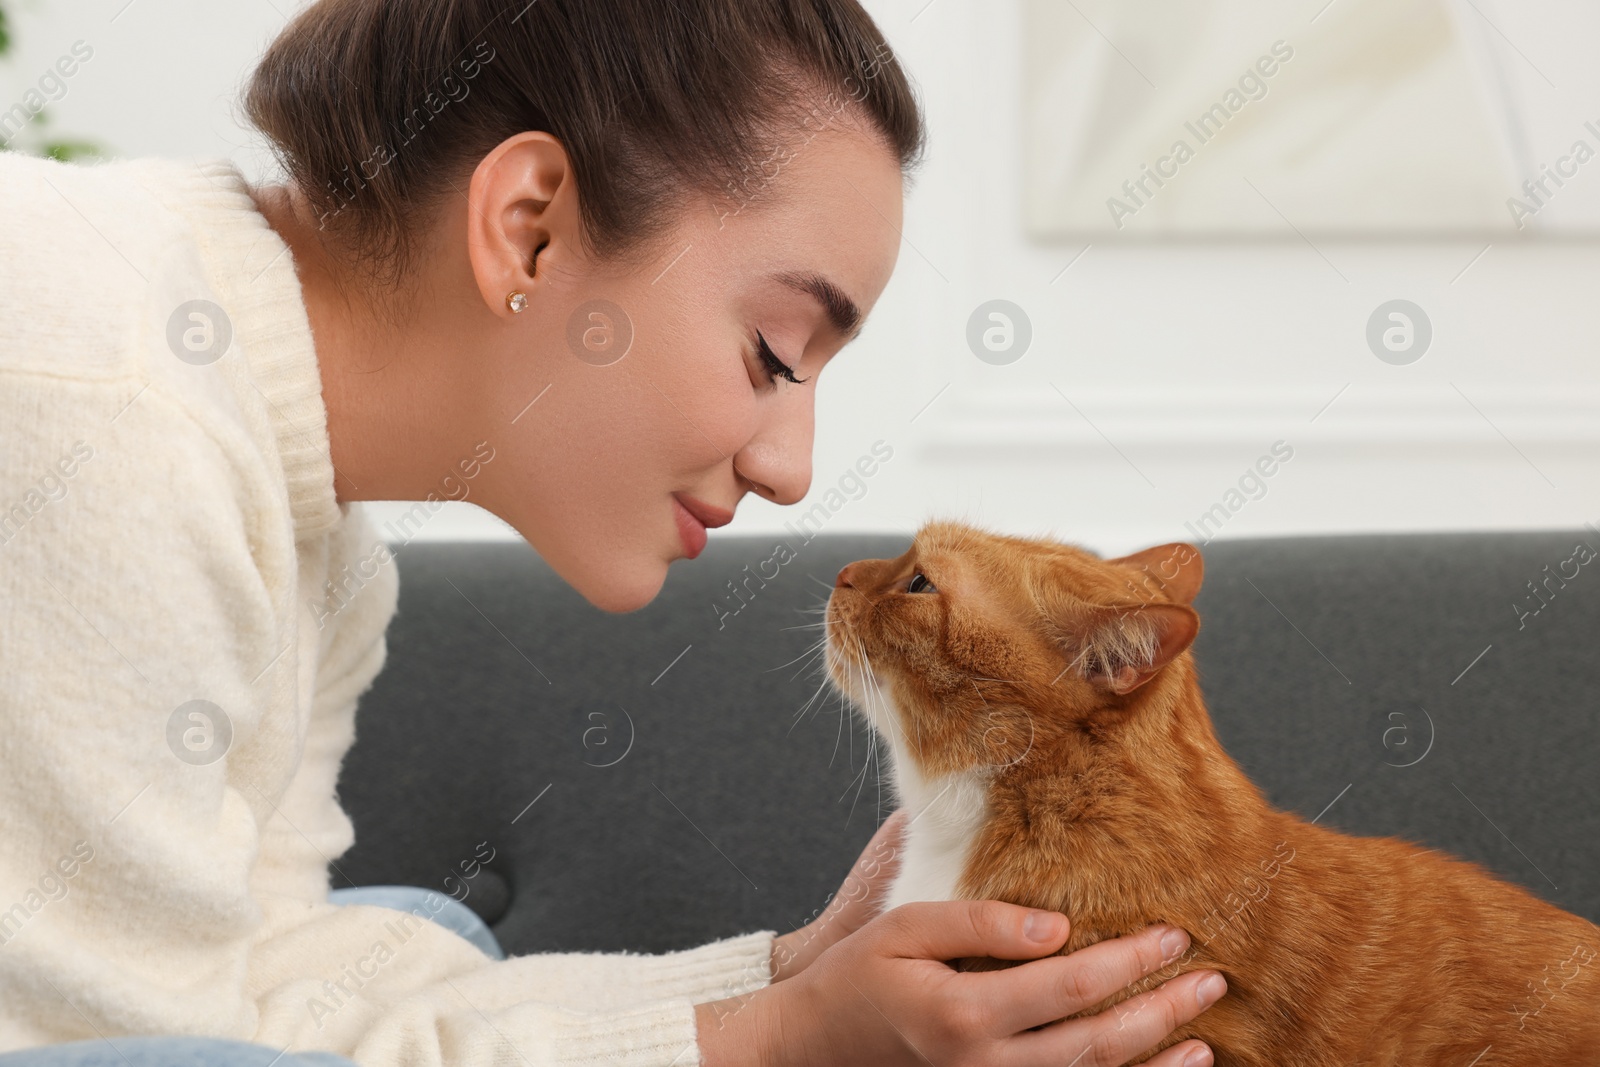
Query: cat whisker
point(800, 657)
point(801, 714)
point(868, 764)
point(842, 692)
point(863, 777)
point(850, 699)
point(882, 702)
point(843, 716)
point(817, 664)
point(873, 704)
point(873, 691)
point(821, 663)
point(871, 762)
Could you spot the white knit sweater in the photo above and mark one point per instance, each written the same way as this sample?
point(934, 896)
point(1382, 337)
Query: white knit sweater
point(167, 526)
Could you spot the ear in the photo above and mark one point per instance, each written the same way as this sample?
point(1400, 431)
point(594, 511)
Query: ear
point(1175, 570)
point(1121, 647)
point(521, 212)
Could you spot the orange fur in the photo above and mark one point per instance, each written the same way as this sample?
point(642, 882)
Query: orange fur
point(1064, 683)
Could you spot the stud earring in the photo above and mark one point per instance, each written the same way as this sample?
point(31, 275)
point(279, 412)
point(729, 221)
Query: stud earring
point(517, 301)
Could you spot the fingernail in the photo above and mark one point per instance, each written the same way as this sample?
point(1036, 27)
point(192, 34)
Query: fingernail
point(1042, 925)
point(1210, 990)
point(1173, 942)
point(1200, 1057)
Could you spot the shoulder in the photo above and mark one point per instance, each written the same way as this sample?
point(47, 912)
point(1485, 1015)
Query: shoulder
point(160, 279)
point(97, 259)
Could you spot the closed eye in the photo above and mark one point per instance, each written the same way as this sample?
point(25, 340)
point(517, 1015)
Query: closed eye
point(919, 584)
point(771, 365)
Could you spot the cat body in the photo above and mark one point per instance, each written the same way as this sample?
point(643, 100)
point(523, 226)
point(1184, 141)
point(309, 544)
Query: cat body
point(1048, 736)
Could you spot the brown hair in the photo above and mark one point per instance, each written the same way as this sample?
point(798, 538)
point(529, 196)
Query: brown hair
point(379, 110)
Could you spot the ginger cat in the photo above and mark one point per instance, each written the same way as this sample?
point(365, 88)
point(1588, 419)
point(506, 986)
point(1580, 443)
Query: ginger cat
point(1048, 735)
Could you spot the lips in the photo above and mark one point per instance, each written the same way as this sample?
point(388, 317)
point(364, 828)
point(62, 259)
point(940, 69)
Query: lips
point(706, 514)
point(693, 518)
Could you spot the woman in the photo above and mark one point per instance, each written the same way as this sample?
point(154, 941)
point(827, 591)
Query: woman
point(593, 257)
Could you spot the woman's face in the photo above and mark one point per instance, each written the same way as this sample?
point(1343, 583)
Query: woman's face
point(629, 408)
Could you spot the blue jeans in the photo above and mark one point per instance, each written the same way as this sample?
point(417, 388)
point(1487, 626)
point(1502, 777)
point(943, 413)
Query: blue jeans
point(447, 911)
point(167, 1052)
point(215, 1052)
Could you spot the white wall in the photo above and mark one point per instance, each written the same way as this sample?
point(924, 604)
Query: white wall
point(1157, 375)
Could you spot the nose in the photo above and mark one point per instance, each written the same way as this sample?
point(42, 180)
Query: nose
point(777, 460)
point(843, 581)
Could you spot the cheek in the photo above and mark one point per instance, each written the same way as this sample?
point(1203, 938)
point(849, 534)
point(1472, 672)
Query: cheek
point(699, 419)
point(685, 396)
point(675, 407)
point(911, 648)
point(641, 423)
point(976, 648)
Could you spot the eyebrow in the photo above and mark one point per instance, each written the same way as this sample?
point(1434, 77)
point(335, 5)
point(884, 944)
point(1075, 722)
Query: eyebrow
point(842, 312)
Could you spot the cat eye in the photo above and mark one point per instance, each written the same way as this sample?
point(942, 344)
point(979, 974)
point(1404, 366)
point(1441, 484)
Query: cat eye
point(919, 584)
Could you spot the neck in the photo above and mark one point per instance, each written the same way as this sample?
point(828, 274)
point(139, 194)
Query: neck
point(385, 383)
point(1123, 827)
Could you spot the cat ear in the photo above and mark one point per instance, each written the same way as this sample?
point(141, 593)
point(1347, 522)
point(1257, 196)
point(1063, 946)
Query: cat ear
point(1174, 569)
point(1121, 647)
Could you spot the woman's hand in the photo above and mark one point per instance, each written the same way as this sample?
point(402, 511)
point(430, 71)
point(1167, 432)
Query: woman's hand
point(859, 898)
point(884, 996)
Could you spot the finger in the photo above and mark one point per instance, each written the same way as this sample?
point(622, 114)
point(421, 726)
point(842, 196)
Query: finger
point(861, 896)
point(880, 860)
point(1046, 990)
point(1178, 1056)
point(948, 929)
point(1122, 1031)
point(864, 890)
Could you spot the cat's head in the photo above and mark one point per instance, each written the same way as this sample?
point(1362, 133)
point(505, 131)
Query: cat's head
point(974, 645)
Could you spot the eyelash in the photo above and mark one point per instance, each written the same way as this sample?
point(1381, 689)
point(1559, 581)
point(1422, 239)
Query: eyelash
point(775, 368)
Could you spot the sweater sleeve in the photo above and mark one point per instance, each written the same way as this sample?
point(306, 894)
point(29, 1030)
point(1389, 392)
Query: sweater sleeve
point(568, 1009)
point(164, 748)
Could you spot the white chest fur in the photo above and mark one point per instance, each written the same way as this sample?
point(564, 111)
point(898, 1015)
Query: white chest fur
point(946, 813)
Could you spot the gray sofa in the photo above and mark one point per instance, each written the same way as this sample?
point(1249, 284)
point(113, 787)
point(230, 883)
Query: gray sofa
point(682, 790)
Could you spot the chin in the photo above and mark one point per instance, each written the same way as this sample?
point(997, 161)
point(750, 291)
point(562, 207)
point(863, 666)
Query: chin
point(616, 581)
point(619, 589)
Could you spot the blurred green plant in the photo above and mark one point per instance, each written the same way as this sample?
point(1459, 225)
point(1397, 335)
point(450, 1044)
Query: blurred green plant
point(32, 139)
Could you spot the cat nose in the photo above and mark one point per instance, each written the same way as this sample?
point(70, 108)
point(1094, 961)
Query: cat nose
point(843, 580)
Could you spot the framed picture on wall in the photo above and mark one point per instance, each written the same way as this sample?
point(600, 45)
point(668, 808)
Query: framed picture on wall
point(1257, 118)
